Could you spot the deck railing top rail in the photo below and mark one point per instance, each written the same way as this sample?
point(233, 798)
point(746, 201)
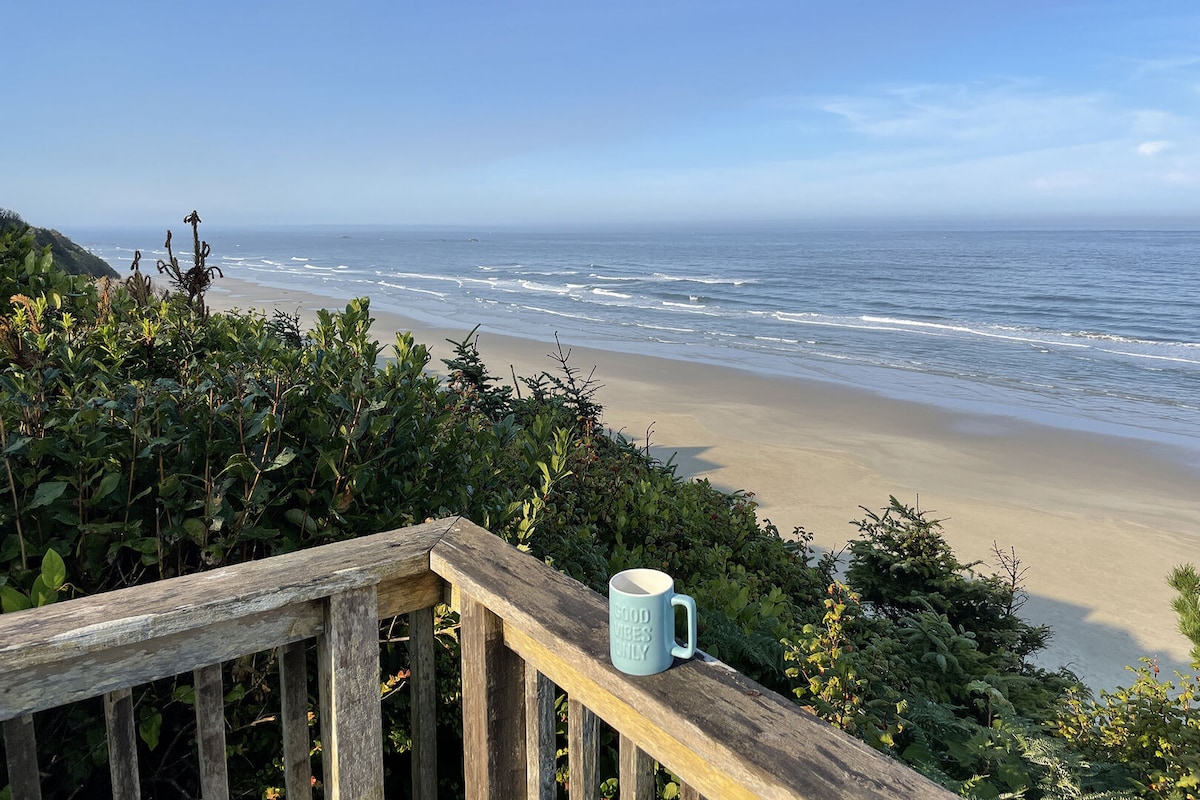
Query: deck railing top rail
point(724, 734)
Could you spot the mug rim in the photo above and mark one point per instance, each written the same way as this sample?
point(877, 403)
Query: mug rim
point(641, 582)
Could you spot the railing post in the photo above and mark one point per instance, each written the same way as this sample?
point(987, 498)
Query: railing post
point(293, 713)
point(424, 704)
point(493, 686)
point(583, 750)
point(636, 777)
point(20, 745)
point(351, 717)
point(122, 745)
point(210, 732)
point(540, 744)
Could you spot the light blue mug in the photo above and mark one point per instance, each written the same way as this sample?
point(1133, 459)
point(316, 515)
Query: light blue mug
point(641, 621)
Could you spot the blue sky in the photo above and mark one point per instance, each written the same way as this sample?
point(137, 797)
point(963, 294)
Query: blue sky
point(565, 112)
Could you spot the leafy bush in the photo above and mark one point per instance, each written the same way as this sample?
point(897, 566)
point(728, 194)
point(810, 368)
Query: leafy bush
point(144, 438)
point(1148, 732)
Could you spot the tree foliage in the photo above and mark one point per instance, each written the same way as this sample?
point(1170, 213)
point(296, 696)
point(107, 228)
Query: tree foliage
point(143, 438)
point(1185, 580)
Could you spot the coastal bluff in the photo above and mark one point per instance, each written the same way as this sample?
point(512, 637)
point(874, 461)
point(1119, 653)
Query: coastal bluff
point(68, 256)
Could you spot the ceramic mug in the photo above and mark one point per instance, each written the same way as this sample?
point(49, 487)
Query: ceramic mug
point(641, 622)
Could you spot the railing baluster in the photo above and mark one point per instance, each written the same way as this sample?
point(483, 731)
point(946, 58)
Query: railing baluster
point(351, 717)
point(636, 778)
point(583, 743)
point(688, 793)
point(122, 745)
point(493, 681)
point(540, 744)
point(424, 704)
point(729, 736)
point(20, 745)
point(210, 732)
point(293, 713)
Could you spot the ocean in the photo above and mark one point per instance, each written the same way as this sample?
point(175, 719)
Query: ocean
point(1095, 330)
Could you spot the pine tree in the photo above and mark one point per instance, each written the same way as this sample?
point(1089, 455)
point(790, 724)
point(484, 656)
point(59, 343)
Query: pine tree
point(1186, 580)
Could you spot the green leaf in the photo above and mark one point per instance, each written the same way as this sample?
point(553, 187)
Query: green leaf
point(54, 571)
point(239, 464)
point(299, 518)
point(150, 726)
point(195, 529)
point(185, 694)
point(41, 594)
point(11, 600)
point(10, 548)
point(107, 484)
point(282, 460)
point(16, 443)
point(47, 493)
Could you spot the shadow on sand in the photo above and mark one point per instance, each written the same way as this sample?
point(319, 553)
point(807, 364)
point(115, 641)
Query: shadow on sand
point(1095, 651)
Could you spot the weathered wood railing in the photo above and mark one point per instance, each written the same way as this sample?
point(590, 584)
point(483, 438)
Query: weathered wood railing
point(525, 628)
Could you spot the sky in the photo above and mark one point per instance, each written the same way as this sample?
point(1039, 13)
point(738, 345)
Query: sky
point(562, 112)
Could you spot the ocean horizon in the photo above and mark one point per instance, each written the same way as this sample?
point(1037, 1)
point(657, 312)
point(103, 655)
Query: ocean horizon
point(1093, 329)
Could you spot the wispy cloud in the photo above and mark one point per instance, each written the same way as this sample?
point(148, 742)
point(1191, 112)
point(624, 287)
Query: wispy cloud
point(1151, 149)
point(1157, 66)
point(1153, 122)
point(958, 115)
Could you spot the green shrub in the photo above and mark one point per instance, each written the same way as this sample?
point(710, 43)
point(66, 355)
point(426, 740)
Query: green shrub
point(1149, 732)
point(143, 438)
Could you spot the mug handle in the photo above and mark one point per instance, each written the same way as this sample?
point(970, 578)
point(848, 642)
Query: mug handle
point(688, 650)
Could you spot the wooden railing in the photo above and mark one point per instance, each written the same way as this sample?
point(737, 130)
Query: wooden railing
point(525, 629)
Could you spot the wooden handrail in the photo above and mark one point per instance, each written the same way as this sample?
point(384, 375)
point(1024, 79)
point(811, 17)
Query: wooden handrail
point(525, 629)
point(726, 735)
point(82, 648)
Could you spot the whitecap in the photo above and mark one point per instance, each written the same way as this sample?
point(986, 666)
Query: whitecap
point(938, 326)
point(620, 278)
point(403, 288)
point(707, 279)
point(561, 314)
point(663, 328)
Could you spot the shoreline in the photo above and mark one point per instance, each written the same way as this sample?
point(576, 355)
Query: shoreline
point(1097, 520)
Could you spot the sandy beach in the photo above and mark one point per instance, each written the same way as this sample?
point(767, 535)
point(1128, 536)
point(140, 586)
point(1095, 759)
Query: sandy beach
point(1098, 521)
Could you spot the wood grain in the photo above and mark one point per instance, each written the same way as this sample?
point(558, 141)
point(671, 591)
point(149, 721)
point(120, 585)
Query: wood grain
point(424, 700)
point(541, 744)
point(583, 751)
point(122, 745)
point(525, 628)
point(81, 648)
point(351, 717)
point(182, 605)
point(20, 748)
point(293, 716)
point(724, 734)
point(493, 699)
point(210, 733)
point(636, 778)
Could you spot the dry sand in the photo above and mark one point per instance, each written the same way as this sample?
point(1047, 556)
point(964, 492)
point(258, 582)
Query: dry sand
point(1098, 521)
